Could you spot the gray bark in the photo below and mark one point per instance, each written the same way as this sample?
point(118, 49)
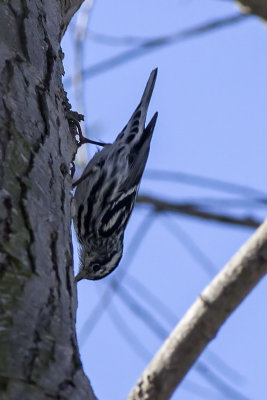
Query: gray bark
point(38, 347)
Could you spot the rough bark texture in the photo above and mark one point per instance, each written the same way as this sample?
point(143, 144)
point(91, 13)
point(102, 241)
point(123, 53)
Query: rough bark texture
point(69, 8)
point(203, 320)
point(38, 348)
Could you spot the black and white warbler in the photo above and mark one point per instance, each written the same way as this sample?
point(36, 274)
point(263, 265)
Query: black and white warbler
point(104, 199)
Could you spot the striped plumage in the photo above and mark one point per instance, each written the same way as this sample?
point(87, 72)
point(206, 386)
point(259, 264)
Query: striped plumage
point(104, 200)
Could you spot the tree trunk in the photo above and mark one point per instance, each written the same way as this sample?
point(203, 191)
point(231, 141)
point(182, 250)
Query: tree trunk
point(38, 347)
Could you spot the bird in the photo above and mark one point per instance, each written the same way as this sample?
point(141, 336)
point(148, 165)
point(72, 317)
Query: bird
point(107, 190)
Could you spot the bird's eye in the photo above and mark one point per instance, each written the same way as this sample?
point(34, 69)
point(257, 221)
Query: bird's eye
point(96, 267)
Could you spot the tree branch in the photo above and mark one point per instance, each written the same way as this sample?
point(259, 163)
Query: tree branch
point(157, 43)
point(195, 211)
point(203, 320)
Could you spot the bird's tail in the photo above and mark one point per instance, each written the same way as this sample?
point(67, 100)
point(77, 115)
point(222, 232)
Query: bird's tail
point(145, 100)
point(135, 127)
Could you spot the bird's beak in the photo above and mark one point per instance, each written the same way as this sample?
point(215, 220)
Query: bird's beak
point(80, 276)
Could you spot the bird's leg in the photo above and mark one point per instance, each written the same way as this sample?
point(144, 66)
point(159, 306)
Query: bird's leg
point(82, 178)
point(83, 139)
point(74, 119)
point(72, 169)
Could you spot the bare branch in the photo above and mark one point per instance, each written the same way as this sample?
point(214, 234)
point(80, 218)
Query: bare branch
point(192, 247)
point(203, 320)
point(156, 327)
point(208, 183)
point(157, 43)
point(129, 335)
point(195, 210)
point(155, 303)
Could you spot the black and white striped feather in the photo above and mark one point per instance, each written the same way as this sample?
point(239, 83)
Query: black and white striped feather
point(104, 200)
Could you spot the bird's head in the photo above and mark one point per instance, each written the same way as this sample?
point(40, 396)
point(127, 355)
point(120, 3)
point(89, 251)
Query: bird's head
point(96, 264)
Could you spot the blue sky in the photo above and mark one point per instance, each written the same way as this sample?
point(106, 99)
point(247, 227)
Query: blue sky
point(211, 97)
